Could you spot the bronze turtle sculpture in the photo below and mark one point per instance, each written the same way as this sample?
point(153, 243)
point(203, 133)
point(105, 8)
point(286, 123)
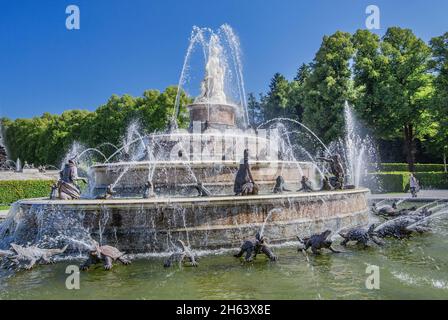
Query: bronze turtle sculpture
point(106, 255)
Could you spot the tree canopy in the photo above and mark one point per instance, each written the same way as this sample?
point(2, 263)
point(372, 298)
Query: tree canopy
point(397, 83)
point(439, 64)
point(329, 86)
point(45, 139)
point(394, 85)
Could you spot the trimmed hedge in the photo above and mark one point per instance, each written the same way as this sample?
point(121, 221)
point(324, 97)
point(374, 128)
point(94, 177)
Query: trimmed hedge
point(419, 167)
point(434, 180)
point(13, 190)
point(389, 181)
point(399, 181)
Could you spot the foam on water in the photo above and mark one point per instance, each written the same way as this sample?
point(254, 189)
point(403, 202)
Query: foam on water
point(412, 280)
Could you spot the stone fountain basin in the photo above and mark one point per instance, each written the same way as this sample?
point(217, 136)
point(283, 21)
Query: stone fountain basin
point(153, 225)
point(174, 177)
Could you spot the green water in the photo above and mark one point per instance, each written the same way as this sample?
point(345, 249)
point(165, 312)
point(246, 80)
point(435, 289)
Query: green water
point(415, 268)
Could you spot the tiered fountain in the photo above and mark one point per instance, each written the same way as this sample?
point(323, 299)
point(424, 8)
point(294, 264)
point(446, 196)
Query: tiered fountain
point(174, 163)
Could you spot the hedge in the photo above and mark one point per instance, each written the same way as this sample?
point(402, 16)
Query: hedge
point(432, 180)
point(419, 167)
point(13, 190)
point(399, 181)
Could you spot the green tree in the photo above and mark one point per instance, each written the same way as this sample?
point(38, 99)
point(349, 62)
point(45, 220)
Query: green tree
point(329, 86)
point(394, 86)
point(45, 139)
point(275, 103)
point(255, 111)
point(296, 97)
point(112, 119)
point(439, 64)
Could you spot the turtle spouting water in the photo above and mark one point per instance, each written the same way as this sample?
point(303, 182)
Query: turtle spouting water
point(106, 255)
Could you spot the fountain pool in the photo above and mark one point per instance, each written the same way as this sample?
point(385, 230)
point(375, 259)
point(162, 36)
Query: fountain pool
point(174, 162)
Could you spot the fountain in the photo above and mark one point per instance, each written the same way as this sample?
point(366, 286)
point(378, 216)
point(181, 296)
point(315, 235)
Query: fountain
point(156, 178)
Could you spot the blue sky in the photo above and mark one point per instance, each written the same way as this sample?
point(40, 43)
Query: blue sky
point(127, 46)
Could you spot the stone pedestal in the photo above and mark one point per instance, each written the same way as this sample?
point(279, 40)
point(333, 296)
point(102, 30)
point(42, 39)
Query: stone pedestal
point(216, 116)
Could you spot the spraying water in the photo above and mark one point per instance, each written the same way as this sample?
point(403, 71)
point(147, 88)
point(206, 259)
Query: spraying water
point(223, 70)
point(358, 152)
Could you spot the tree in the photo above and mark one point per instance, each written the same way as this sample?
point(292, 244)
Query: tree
point(329, 86)
point(439, 64)
point(296, 97)
point(275, 103)
point(254, 108)
point(394, 86)
point(44, 140)
point(112, 119)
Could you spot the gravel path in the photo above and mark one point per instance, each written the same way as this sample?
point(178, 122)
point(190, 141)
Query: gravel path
point(423, 195)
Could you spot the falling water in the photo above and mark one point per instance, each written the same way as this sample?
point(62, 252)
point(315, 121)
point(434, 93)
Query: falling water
point(358, 152)
point(300, 124)
point(91, 150)
point(196, 37)
point(235, 47)
point(221, 52)
point(353, 146)
point(276, 210)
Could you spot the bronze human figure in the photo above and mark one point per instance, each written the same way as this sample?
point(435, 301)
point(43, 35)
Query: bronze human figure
point(244, 182)
point(306, 185)
point(68, 189)
point(336, 169)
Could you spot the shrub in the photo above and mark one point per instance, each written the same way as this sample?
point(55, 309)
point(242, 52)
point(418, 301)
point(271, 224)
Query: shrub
point(399, 181)
point(13, 190)
point(419, 167)
point(435, 180)
point(390, 181)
